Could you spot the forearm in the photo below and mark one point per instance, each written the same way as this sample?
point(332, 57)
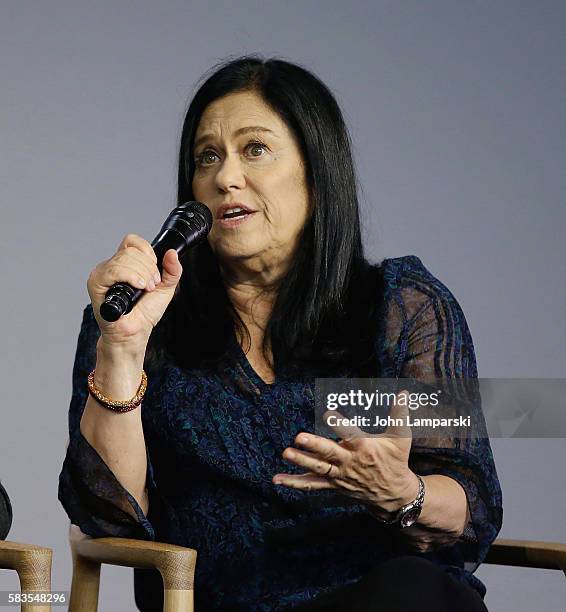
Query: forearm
point(444, 513)
point(443, 516)
point(118, 437)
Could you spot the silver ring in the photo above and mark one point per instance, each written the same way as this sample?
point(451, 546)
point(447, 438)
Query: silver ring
point(330, 466)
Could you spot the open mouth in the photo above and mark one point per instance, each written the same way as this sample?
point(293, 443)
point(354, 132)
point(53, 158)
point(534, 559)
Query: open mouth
point(233, 214)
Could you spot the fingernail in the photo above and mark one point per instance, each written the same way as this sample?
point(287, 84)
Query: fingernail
point(157, 278)
point(151, 284)
point(141, 281)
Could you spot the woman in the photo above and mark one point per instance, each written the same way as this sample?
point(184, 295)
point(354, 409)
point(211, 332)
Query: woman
point(216, 458)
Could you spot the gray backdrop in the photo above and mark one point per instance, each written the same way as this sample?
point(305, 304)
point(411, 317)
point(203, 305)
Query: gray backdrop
point(456, 111)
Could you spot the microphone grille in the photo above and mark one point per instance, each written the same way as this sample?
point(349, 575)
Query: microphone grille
point(195, 208)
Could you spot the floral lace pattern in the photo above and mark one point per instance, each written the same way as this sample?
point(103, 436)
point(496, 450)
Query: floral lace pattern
point(214, 440)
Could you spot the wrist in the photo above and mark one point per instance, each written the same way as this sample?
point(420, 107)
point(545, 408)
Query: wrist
point(120, 352)
point(409, 491)
point(118, 370)
point(404, 493)
point(409, 511)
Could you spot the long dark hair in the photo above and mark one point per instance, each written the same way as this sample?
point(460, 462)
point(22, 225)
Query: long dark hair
point(327, 298)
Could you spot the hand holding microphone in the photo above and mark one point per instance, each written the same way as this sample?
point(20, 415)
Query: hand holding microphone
point(138, 281)
point(138, 269)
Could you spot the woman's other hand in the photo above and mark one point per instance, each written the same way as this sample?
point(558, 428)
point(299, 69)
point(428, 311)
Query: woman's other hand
point(371, 468)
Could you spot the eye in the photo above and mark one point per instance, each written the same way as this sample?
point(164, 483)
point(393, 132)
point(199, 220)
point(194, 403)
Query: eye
point(201, 160)
point(204, 159)
point(256, 145)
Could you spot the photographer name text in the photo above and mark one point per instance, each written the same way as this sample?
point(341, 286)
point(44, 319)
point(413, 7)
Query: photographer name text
point(334, 420)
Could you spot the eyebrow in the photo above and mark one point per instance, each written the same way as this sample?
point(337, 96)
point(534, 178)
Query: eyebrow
point(243, 130)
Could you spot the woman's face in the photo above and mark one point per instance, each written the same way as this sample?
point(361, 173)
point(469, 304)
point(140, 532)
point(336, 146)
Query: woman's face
point(245, 153)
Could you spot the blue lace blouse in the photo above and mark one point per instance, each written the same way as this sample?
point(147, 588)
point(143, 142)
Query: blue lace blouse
point(214, 440)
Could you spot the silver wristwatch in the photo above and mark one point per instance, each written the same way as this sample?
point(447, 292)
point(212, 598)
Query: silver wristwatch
point(408, 514)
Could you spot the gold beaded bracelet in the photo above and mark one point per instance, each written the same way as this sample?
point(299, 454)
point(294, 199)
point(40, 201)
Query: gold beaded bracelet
point(118, 405)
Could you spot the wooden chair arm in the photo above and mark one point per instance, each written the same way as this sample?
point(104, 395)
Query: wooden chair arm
point(528, 553)
point(33, 566)
point(176, 564)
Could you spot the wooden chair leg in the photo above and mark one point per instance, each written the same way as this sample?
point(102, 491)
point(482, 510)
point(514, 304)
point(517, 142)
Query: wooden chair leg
point(85, 585)
point(35, 575)
point(176, 565)
point(177, 596)
point(33, 566)
point(175, 600)
point(177, 573)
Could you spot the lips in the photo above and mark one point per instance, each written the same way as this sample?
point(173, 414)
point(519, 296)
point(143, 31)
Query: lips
point(231, 206)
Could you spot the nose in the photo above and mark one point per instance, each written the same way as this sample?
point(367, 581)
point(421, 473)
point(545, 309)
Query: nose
point(230, 174)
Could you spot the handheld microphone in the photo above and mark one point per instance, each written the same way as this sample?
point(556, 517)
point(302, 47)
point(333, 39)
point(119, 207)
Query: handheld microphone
point(187, 225)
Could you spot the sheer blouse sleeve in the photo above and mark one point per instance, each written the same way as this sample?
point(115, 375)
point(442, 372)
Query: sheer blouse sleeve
point(426, 336)
point(89, 491)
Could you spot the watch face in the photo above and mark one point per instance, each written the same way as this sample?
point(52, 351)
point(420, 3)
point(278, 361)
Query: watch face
point(410, 517)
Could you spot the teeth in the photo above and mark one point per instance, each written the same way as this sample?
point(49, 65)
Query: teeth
point(231, 212)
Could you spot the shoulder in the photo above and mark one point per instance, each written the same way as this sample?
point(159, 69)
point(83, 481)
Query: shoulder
point(407, 277)
point(412, 293)
point(399, 272)
point(418, 307)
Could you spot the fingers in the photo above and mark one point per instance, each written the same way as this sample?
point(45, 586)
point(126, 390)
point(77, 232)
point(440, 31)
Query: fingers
point(133, 240)
point(344, 431)
point(111, 273)
point(317, 454)
point(309, 461)
point(398, 427)
point(136, 247)
point(306, 482)
point(133, 257)
point(172, 268)
point(134, 263)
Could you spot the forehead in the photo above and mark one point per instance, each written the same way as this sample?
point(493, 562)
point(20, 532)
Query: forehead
point(236, 110)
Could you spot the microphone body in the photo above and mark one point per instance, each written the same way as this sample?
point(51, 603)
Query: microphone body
point(187, 225)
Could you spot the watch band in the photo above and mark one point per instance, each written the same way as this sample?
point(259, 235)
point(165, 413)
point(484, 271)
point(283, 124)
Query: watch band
point(414, 506)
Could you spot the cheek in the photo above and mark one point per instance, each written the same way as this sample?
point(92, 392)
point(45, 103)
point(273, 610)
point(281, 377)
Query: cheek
point(295, 198)
point(198, 186)
point(291, 180)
